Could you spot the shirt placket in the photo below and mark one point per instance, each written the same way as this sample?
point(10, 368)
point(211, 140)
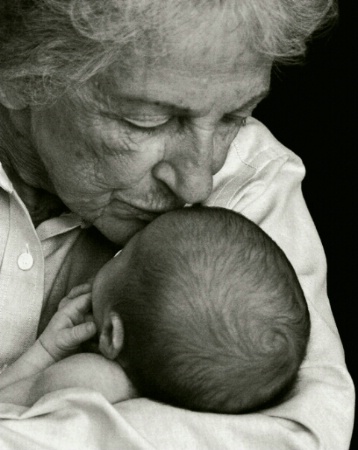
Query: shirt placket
point(21, 281)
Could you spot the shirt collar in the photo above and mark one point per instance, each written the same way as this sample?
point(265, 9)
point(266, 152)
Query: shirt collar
point(50, 227)
point(59, 225)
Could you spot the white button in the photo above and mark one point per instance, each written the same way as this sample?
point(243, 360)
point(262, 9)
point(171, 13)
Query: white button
point(25, 261)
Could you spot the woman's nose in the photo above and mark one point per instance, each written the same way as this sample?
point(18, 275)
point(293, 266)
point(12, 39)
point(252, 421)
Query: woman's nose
point(187, 169)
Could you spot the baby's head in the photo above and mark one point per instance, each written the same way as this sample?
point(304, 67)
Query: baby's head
point(204, 311)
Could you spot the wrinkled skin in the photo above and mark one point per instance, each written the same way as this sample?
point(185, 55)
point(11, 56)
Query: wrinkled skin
point(132, 144)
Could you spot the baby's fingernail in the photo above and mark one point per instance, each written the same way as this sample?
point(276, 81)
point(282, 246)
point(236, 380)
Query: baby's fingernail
point(90, 327)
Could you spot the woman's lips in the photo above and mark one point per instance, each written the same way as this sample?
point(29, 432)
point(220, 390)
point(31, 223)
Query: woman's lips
point(126, 211)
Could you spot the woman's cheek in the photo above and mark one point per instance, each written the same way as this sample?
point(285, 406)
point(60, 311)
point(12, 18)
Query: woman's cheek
point(127, 162)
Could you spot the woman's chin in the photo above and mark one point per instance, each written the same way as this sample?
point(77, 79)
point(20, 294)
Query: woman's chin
point(119, 231)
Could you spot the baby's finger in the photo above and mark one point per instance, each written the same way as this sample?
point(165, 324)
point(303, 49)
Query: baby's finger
point(63, 303)
point(78, 334)
point(88, 317)
point(78, 307)
point(75, 292)
point(79, 290)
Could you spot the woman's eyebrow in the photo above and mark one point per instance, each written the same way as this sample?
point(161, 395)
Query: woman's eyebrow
point(134, 101)
point(253, 101)
point(124, 101)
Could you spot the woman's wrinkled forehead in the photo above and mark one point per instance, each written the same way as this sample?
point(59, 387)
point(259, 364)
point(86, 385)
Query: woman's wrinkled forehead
point(211, 49)
point(201, 30)
point(202, 36)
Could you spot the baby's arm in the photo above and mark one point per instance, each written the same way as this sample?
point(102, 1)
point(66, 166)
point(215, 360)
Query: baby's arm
point(84, 370)
point(68, 328)
point(46, 366)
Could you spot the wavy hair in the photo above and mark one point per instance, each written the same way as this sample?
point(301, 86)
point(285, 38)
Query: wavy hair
point(49, 46)
point(214, 316)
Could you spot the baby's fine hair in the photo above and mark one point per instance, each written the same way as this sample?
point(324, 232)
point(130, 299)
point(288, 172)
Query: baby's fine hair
point(214, 316)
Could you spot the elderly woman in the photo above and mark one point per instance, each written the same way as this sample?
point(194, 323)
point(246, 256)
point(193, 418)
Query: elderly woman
point(115, 111)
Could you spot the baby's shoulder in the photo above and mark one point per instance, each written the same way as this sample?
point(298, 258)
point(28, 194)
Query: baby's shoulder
point(92, 371)
point(93, 367)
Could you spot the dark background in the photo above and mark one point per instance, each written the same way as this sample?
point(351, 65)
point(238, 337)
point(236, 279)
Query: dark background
point(312, 109)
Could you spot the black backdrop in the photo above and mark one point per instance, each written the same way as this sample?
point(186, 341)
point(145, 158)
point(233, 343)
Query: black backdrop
point(312, 109)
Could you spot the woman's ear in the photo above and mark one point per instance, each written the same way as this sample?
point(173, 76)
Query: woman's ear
point(112, 335)
point(10, 99)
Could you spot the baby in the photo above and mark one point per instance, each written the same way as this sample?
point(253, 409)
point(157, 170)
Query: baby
point(201, 310)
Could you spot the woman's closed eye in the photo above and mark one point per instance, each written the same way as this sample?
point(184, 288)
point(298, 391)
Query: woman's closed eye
point(149, 124)
point(152, 124)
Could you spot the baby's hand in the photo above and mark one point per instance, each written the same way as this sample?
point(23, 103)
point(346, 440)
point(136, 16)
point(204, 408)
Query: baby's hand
point(70, 326)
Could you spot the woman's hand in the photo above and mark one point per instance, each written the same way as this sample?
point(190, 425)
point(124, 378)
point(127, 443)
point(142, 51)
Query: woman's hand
point(71, 325)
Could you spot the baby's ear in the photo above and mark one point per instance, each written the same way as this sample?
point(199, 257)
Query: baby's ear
point(112, 336)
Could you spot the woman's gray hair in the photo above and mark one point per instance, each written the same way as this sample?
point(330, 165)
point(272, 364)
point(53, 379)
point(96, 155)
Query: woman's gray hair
point(49, 46)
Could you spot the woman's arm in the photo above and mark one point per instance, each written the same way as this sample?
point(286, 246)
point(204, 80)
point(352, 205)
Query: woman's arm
point(263, 182)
